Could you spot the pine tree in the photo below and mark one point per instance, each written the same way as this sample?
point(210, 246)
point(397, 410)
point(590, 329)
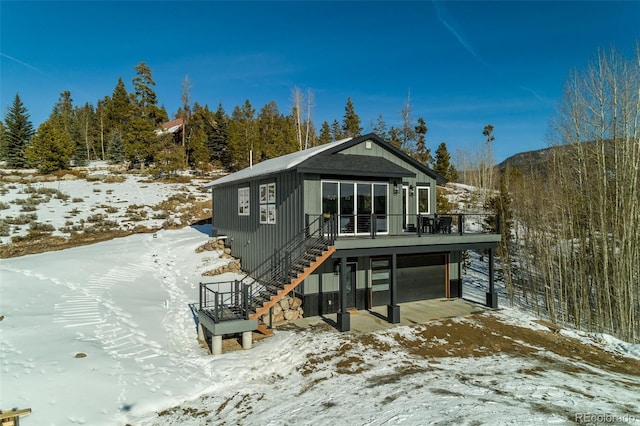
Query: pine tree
point(351, 122)
point(18, 133)
point(443, 161)
point(422, 154)
point(145, 96)
point(394, 137)
point(380, 128)
point(325, 133)
point(336, 131)
point(241, 135)
point(3, 146)
point(115, 150)
point(118, 108)
point(51, 148)
point(218, 150)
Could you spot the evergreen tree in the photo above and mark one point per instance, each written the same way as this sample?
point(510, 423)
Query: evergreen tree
point(380, 128)
point(145, 96)
point(325, 133)
point(218, 150)
point(17, 134)
point(276, 133)
point(423, 154)
point(336, 131)
point(141, 141)
point(351, 122)
point(118, 109)
point(443, 161)
point(51, 147)
point(3, 146)
point(393, 137)
point(169, 156)
point(196, 149)
point(115, 150)
point(242, 132)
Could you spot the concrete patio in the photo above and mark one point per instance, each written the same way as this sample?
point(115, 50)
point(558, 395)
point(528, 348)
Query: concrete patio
point(412, 313)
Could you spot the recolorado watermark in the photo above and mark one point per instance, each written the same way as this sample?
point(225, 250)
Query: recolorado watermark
point(604, 418)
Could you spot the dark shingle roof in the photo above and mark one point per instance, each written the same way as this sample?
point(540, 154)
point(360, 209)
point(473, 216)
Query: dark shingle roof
point(353, 165)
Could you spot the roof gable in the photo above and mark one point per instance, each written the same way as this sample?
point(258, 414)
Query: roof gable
point(301, 158)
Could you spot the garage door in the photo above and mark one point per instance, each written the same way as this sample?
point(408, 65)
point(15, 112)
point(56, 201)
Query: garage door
point(421, 277)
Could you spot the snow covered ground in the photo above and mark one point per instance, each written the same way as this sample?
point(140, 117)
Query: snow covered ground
point(104, 335)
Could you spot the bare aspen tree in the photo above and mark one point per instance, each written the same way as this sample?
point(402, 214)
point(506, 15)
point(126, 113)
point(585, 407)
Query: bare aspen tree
point(297, 98)
point(308, 120)
point(580, 248)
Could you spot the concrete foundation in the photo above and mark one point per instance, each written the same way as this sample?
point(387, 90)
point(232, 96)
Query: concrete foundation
point(216, 345)
point(247, 339)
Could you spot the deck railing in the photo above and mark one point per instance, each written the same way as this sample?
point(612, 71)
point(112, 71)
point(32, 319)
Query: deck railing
point(374, 225)
point(238, 299)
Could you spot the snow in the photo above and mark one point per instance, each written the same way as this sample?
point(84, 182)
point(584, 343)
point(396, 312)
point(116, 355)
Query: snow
point(124, 303)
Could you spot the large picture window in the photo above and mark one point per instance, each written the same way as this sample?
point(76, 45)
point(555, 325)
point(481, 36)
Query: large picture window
point(268, 203)
point(355, 203)
point(243, 201)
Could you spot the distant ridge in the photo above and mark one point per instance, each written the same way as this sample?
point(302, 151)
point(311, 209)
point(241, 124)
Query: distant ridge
point(529, 161)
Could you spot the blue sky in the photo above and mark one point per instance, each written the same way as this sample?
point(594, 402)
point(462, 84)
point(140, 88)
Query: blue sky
point(466, 64)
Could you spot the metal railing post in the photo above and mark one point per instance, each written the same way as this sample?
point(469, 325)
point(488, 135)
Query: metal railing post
point(497, 224)
point(216, 307)
point(200, 301)
point(460, 224)
point(419, 225)
point(373, 225)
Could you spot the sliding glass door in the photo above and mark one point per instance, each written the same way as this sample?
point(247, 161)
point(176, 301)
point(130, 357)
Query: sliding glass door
point(359, 205)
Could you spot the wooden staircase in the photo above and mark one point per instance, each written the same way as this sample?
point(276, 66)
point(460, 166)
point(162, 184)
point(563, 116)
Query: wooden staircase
point(253, 296)
point(300, 271)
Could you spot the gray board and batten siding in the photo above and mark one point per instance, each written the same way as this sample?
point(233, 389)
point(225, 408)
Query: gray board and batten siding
point(298, 181)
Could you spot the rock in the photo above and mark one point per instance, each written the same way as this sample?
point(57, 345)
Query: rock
point(277, 309)
point(200, 249)
point(208, 246)
point(295, 303)
point(227, 250)
point(284, 303)
point(68, 177)
point(225, 256)
point(12, 178)
point(290, 315)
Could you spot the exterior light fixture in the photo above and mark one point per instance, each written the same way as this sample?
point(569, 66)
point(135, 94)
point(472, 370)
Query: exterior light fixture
point(411, 190)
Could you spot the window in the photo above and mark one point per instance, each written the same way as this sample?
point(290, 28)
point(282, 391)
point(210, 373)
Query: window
point(355, 202)
point(268, 203)
point(243, 201)
point(423, 200)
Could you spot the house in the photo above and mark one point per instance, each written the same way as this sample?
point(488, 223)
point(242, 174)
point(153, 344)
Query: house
point(347, 225)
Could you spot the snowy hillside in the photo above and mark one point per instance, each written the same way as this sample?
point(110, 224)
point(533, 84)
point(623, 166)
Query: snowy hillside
point(103, 335)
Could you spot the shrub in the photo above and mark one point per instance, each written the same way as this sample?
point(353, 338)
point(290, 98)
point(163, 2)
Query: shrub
point(41, 227)
point(4, 206)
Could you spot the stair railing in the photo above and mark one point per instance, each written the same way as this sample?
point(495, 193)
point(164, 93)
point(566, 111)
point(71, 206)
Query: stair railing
point(241, 297)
